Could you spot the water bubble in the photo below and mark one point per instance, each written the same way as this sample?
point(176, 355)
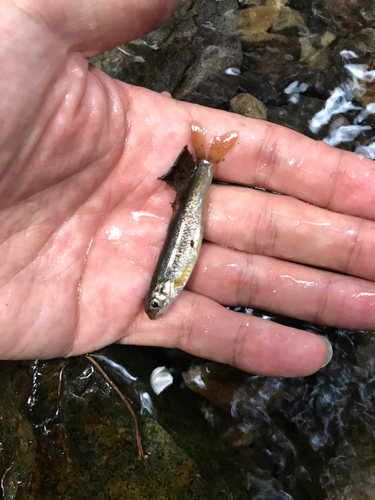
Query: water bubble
point(160, 379)
point(232, 71)
point(348, 54)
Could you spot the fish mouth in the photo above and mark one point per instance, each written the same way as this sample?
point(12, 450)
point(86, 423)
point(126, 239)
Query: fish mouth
point(152, 314)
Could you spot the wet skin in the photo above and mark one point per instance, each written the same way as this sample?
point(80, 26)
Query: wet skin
point(83, 216)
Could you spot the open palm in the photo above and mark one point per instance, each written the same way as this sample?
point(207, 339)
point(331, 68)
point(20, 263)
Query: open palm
point(83, 214)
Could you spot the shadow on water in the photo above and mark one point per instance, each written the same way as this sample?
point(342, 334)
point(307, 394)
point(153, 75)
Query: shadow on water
point(216, 432)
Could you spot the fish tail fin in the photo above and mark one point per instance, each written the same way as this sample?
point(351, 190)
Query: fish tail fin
point(198, 138)
point(220, 146)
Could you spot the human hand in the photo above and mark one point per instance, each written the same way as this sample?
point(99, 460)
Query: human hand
point(83, 215)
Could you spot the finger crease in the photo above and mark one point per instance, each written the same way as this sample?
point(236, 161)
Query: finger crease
point(238, 345)
point(323, 302)
point(333, 182)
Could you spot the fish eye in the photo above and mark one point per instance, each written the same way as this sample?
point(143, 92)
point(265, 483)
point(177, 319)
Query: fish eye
point(155, 304)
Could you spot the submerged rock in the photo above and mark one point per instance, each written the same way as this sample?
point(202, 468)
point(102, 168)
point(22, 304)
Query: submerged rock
point(195, 55)
point(270, 17)
point(234, 391)
point(269, 52)
point(258, 19)
point(350, 14)
point(65, 433)
point(288, 22)
point(355, 59)
point(316, 57)
point(248, 105)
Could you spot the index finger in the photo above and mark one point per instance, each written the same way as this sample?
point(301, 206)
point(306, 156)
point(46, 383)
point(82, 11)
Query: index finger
point(278, 159)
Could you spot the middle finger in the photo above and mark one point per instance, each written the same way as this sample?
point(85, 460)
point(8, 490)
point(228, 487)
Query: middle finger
point(279, 226)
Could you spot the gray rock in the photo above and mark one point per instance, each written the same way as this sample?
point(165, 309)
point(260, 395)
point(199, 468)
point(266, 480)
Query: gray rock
point(296, 115)
point(195, 55)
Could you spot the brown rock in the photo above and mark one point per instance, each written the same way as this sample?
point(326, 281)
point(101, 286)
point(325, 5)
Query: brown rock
point(256, 19)
point(276, 3)
point(269, 52)
point(327, 38)
point(233, 390)
point(368, 97)
point(248, 105)
point(287, 21)
point(273, 16)
point(318, 58)
point(349, 14)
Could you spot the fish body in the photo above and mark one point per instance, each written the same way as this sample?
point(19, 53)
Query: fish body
point(191, 181)
point(182, 244)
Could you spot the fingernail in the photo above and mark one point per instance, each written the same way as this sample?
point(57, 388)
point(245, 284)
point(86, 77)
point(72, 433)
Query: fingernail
point(329, 351)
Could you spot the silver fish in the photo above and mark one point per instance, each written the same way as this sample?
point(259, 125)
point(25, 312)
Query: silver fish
point(185, 232)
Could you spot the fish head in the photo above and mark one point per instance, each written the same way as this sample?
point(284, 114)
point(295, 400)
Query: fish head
point(158, 300)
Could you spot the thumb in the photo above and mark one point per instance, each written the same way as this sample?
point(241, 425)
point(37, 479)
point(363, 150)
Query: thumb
point(92, 27)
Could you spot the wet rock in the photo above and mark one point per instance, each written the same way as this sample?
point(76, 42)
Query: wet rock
point(18, 457)
point(250, 3)
point(256, 20)
point(269, 52)
point(272, 16)
point(248, 105)
point(349, 14)
point(277, 3)
point(288, 22)
point(270, 88)
point(297, 115)
point(354, 57)
point(312, 56)
point(195, 55)
point(258, 3)
point(327, 38)
point(319, 82)
point(234, 391)
point(358, 49)
point(65, 433)
point(317, 56)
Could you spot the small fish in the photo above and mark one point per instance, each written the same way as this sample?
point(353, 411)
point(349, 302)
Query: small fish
point(185, 232)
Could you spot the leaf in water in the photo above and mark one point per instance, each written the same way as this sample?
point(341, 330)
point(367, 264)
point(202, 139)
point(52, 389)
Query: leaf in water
point(178, 177)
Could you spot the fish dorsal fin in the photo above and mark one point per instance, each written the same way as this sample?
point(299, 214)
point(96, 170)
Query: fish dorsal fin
point(179, 175)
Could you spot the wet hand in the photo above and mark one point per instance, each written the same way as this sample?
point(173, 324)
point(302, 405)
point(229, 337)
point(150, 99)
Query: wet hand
point(83, 215)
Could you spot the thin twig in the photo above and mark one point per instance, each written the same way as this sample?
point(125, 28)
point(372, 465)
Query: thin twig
point(141, 455)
